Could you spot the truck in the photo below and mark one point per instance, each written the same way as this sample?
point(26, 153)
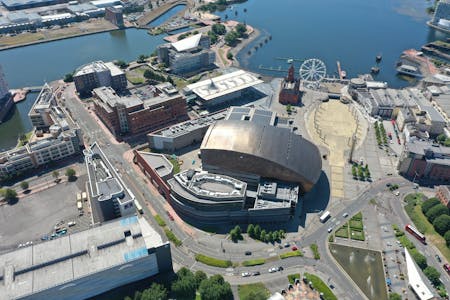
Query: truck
point(78, 197)
point(325, 216)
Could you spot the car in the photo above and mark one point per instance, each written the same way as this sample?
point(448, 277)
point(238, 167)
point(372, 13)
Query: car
point(345, 215)
point(286, 245)
point(273, 270)
point(397, 193)
point(438, 258)
point(447, 268)
point(330, 229)
point(71, 223)
point(388, 184)
point(248, 252)
point(257, 273)
point(246, 274)
point(280, 268)
point(294, 248)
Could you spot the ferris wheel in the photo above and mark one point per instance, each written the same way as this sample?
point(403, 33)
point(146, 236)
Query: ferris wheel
point(313, 70)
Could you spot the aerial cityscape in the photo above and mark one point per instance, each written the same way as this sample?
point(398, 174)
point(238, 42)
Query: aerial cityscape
point(224, 149)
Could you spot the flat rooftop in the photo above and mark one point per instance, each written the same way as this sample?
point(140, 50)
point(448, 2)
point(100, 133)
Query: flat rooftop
point(260, 116)
point(38, 267)
point(158, 162)
point(96, 66)
point(222, 85)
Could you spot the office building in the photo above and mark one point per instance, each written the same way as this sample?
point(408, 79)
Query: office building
point(147, 109)
point(441, 17)
point(188, 56)
point(85, 264)
point(99, 74)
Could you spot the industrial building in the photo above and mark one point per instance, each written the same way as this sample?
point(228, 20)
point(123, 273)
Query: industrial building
point(148, 108)
point(184, 134)
point(253, 170)
point(187, 56)
point(24, 4)
point(423, 159)
point(222, 89)
point(56, 137)
point(99, 74)
point(290, 89)
point(86, 263)
point(114, 15)
point(110, 198)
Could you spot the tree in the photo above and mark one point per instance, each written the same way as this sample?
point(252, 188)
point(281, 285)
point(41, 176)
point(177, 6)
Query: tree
point(70, 173)
point(394, 296)
point(215, 288)
point(230, 55)
point(288, 108)
point(155, 292)
point(10, 195)
point(231, 38)
point(447, 238)
point(429, 204)
point(142, 58)
point(68, 77)
point(185, 286)
point(150, 5)
point(219, 29)
point(256, 295)
point(241, 29)
point(257, 232)
point(24, 185)
point(420, 260)
point(199, 277)
point(270, 237)
point(442, 224)
point(170, 80)
point(121, 64)
point(432, 274)
point(276, 235)
point(236, 233)
point(251, 230)
point(436, 211)
point(441, 138)
point(354, 171)
point(263, 236)
point(55, 175)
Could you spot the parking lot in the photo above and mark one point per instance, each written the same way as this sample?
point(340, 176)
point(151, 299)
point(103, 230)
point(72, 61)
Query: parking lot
point(35, 215)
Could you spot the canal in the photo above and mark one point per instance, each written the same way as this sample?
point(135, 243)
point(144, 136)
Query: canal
point(350, 31)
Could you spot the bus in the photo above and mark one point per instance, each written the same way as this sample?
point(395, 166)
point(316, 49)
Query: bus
point(84, 196)
point(416, 233)
point(324, 217)
point(78, 197)
point(138, 207)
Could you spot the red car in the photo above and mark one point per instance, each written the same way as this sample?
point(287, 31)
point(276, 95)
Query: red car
point(447, 268)
point(294, 248)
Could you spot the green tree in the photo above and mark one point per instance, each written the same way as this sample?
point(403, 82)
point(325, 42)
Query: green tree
point(256, 295)
point(121, 64)
point(10, 195)
point(442, 224)
point(199, 277)
point(230, 55)
point(276, 236)
point(215, 288)
point(68, 77)
point(432, 274)
point(251, 230)
point(429, 204)
point(185, 285)
point(155, 292)
point(55, 175)
point(354, 171)
point(137, 295)
point(219, 29)
point(447, 238)
point(127, 298)
point(270, 238)
point(360, 173)
point(441, 138)
point(394, 296)
point(170, 80)
point(436, 211)
point(213, 37)
point(241, 29)
point(71, 174)
point(288, 108)
point(263, 235)
point(257, 232)
point(142, 58)
point(24, 185)
point(231, 38)
point(420, 259)
point(281, 233)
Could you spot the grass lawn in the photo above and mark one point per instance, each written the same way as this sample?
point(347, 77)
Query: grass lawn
point(315, 250)
point(291, 254)
point(414, 211)
point(211, 261)
point(356, 224)
point(253, 262)
point(25, 141)
point(175, 164)
point(357, 235)
point(321, 286)
point(245, 291)
point(343, 231)
point(292, 278)
point(357, 217)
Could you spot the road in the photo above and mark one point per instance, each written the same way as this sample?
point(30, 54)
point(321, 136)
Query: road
point(200, 242)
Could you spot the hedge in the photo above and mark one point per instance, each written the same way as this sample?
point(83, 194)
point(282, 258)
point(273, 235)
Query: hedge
point(291, 254)
point(253, 262)
point(214, 262)
point(160, 221)
point(171, 236)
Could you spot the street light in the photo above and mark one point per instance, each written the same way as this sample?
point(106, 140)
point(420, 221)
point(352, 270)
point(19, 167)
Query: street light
point(415, 174)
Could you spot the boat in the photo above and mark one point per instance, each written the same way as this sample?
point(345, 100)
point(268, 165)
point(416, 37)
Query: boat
point(408, 70)
point(375, 70)
point(378, 58)
point(343, 74)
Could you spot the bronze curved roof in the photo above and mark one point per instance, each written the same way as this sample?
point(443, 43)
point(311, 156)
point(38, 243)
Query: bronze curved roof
point(264, 150)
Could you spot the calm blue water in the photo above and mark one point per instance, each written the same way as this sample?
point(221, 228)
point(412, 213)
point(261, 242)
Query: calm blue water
point(351, 31)
point(169, 14)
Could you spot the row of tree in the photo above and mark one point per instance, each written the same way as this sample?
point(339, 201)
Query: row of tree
point(257, 233)
point(185, 287)
point(232, 37)
point(380, 133)
point(438, 215)
point(358, 171)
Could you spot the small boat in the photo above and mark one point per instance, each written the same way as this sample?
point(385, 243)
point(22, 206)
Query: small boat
point(375, 70)
point(343, 74)
point(378, 58)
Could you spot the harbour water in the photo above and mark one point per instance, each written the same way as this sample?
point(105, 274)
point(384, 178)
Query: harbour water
point(351, 31)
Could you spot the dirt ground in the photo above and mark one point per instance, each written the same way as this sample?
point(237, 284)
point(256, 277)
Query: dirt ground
point(333, 125)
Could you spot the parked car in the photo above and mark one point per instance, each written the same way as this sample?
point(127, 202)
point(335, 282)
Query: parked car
point(345, 215)
point(330, 229)
point(257, 273)
point(246, 274)
point(280, 268)
point(248, 252)
point(286, 245)
point(294, 248)
point(438, 258)
point(273, 270)
point(397, 193)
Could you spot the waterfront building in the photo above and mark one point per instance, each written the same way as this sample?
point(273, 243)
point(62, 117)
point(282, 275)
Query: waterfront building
point(422, 159)
point(290, 89)
point(6, 101)
point(184, 134)
point(99, 74)
point(106, 3)
point(110, 198)
point(114, 15)
point(56, 137)
point(85, 264)
point(148, 108)
point(188, 56)
point(441, 17)
point(85, 9)
point(222, 89)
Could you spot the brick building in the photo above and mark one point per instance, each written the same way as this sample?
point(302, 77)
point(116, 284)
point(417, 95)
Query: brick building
point(147, 109)
point(290, 89)
point(443, 194)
